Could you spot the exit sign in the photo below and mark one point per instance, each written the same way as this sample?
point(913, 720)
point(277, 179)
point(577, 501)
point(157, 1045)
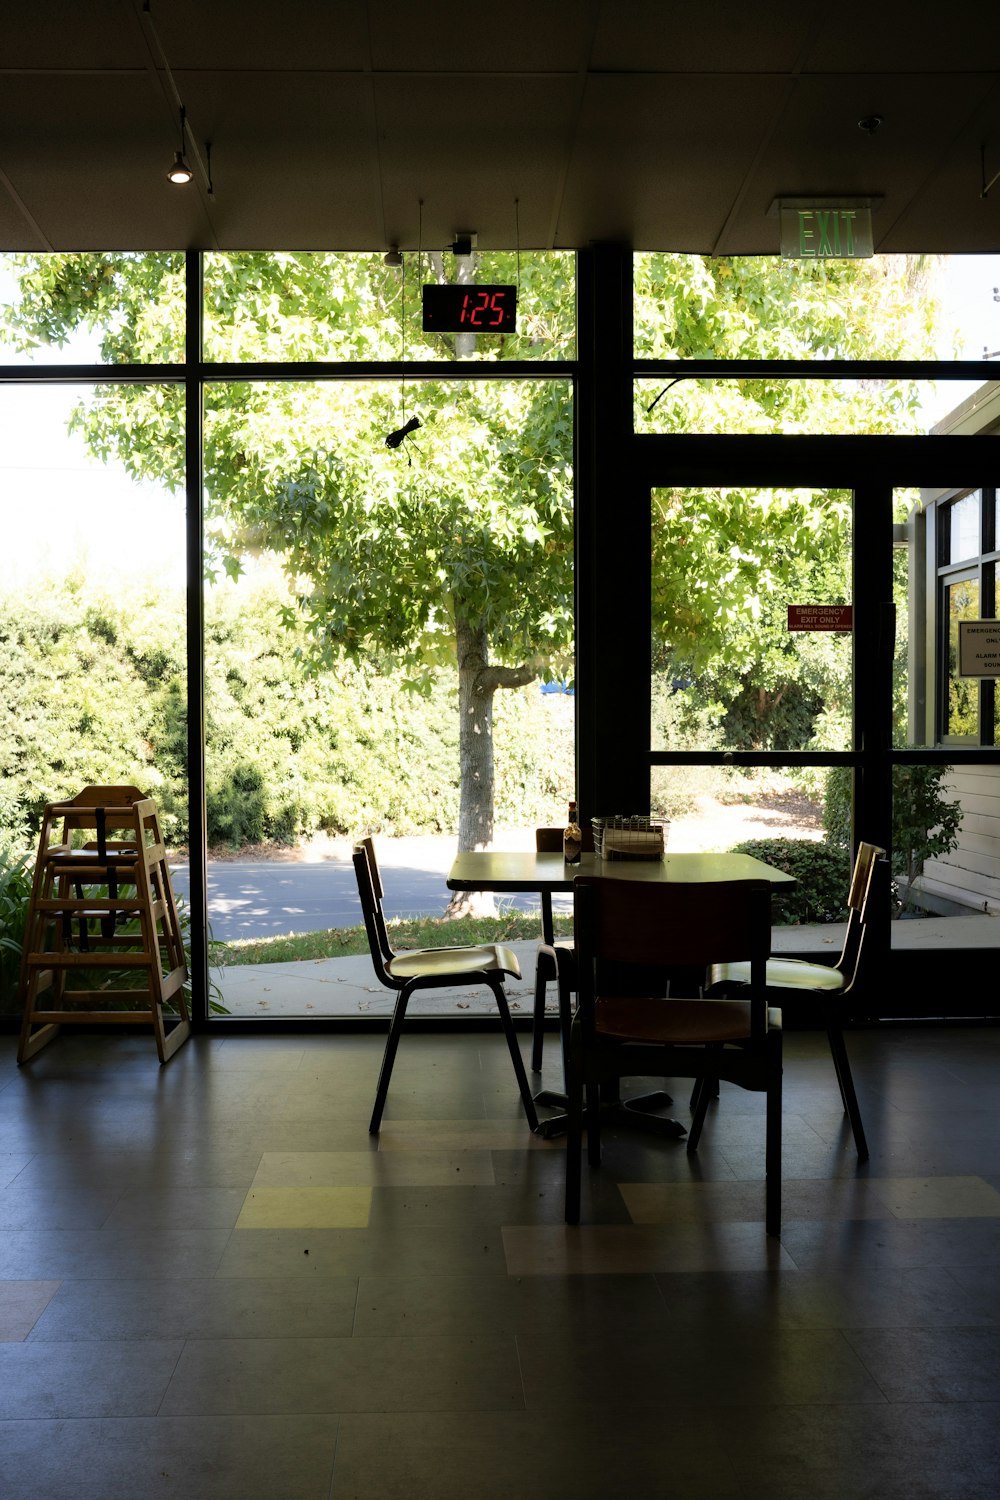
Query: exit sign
point(821, 617)
point(821, 231)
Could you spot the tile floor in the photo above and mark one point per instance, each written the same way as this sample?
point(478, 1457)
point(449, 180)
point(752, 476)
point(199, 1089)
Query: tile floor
point(214, 1284)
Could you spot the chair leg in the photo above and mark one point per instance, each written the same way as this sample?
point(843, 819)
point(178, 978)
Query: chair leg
point(707, 1081)
point(496, 985)
point(705, 1089)
point(542, 977)
point(845, 1078)
point(389, 1057)
point(565, 1014)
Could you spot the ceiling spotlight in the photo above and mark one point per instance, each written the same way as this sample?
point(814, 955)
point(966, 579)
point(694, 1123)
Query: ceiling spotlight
point(180, 172)
point(393, 256)
point(870, 123)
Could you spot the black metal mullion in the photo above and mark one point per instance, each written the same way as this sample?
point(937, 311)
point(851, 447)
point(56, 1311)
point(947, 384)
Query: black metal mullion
point(194, 488)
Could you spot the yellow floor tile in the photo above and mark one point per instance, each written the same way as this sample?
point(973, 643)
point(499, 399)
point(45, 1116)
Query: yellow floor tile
point(375, 1169)
point(938, 1197)
point(306, 1208)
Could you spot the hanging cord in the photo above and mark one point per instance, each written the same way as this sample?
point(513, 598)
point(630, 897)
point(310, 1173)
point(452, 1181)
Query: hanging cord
point(659, 398)
point(517, 246)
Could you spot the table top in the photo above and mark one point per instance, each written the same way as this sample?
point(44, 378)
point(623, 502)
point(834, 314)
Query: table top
point(499, 870)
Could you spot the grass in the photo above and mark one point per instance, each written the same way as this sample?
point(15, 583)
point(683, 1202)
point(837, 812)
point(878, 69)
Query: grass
point(420, 932)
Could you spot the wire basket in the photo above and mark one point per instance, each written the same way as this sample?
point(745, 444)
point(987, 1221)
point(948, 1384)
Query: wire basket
point(629, 838)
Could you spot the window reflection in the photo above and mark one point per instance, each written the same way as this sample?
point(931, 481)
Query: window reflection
point(962, 603)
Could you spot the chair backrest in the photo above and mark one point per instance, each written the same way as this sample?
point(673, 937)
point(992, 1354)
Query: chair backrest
point(550, 841)
point(370, 893)
point(870, 866)
point(673, 924)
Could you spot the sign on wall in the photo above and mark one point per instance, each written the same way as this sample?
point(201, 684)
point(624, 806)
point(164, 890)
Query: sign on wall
point(821, 617)
point(826, 232)
point(979, 648)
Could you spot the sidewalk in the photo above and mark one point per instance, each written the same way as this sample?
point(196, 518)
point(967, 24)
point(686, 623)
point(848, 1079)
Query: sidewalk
point(348, 987)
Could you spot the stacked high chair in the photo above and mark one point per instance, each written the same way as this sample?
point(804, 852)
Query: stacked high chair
point(102, 941)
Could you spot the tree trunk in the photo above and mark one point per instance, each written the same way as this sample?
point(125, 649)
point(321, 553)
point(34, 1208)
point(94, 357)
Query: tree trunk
point(475, 738)
point(477, 683)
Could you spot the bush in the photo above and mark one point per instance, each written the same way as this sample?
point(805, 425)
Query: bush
point(15, 891)
point(822, 874)
point(925, 818)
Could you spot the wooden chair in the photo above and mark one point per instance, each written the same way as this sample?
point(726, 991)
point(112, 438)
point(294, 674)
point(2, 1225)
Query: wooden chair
point(430, 968)
point(826, 986)
point(554, 958)
point(102, 907)
point(617, 1034)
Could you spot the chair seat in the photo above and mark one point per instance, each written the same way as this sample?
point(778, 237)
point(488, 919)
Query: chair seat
point(439, 962)
point(782, 974)
point(684, 1022)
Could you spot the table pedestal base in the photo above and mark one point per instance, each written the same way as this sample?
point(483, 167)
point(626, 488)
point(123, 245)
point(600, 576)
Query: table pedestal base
point(639, 1113)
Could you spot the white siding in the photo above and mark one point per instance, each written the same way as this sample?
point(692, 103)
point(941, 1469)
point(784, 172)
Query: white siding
point(970, 874)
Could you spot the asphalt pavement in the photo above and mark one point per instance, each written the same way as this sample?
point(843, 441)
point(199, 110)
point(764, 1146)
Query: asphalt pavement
point(271, 898)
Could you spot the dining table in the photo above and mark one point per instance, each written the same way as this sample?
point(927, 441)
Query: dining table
point(506, 870)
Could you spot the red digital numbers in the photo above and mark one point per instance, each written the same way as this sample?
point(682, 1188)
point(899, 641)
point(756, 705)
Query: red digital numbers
point(487, 308)
point(483, 309)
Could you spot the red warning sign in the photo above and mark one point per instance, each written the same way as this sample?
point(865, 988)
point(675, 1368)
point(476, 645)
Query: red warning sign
point(821, 617)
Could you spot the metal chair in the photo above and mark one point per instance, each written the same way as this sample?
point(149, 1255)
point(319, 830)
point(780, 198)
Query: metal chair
point(826, 985)
point(622, 926)
point(430, 968)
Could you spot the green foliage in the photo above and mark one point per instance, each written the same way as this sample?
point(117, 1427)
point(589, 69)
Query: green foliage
point(925, 819)
point(822, 874)
point(15, 891)
point(95, 692)
point(727, 563)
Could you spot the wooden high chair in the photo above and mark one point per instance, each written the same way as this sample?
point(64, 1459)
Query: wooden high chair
point(102, 909)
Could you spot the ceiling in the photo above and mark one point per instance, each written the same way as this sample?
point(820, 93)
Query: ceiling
point(359, 124)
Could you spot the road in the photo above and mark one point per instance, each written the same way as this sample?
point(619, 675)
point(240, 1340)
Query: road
point(264, 898)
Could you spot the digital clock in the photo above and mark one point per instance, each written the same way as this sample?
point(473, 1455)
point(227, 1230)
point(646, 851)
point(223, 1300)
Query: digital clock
point(469, 309)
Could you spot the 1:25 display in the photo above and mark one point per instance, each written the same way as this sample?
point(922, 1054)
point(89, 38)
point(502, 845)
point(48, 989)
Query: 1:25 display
point(453, 308)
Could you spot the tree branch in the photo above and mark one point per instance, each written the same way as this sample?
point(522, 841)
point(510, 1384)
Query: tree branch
point(491, 678)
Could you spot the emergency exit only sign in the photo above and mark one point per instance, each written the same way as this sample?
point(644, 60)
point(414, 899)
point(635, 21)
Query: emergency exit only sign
point(821, 617)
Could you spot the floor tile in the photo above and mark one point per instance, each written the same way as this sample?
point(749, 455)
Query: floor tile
point(373, 1168)
point(856, 1358)
point(279, 1376)
point(199, 1308)
point(446, 1250)
point(65, 1254)
point(494, 1456)
point(40, 1380)
point(932, 1364)
point(21, 1305)
point(403, 1306)
point(869, 1452)
point(938, 1197)
point(694, 1202)
point(197, 1457)
point(803, 1366)
point(306, 1208)
point(587, 1249)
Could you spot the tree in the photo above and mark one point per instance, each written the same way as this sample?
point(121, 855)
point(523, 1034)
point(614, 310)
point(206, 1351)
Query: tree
point(727, 563)
point(456, 546)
